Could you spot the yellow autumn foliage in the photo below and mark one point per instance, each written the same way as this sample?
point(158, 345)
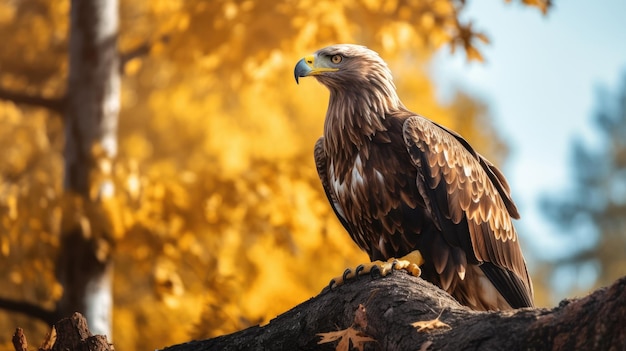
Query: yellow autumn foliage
point(219, 219)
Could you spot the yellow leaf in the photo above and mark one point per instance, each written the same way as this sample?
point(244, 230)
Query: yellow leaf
point(482, 37)
point(473, 54)
point(133, 66)
point(16, 277)
point(346, 337)
point(425, 326)
point(5, 247)
point(542, 5)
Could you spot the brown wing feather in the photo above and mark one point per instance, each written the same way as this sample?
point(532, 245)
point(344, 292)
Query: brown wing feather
point(475, 190)
point(321, 162)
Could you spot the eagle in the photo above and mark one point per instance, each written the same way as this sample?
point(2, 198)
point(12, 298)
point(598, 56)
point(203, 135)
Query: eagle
point(399, 183)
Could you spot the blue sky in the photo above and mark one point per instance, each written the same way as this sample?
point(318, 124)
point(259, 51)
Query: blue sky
point(540, 79)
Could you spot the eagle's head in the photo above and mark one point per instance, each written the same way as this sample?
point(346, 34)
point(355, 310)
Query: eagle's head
point(346, 67)
point(361, 88)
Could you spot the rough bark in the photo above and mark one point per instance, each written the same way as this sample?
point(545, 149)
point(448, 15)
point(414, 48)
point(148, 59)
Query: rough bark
point(84, 266)
point(73, 334)
point(393, 303)
point(93, 90)
point(389, 306)
point(19, 340)
point(68, 334)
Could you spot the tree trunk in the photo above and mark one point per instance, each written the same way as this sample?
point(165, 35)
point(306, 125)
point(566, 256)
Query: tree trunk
point(84, 266)
point(392, 304)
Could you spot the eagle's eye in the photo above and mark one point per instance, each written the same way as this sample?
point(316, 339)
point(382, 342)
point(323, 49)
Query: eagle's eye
point(336, 59)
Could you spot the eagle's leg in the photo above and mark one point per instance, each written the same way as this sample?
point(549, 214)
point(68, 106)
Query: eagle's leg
point(409, 263)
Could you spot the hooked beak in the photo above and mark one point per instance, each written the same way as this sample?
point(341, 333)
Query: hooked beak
point(308, 66)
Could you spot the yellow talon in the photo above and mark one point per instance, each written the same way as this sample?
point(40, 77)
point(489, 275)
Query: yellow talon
point(409, 263)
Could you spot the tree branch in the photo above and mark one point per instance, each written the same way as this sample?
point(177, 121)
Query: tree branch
point(141, 50)
point(393, 303)
point(382, 310)
point(29, 309)
point(56, 105)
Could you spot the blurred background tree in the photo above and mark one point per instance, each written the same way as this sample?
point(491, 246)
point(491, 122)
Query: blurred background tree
point(218, 220)
point(592, 211)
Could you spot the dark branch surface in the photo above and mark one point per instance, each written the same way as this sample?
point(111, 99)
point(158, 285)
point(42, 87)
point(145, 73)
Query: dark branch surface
point(392, 304)
point(595, 322)
point(73, 334)
point(29, 309)
point(68, 334)
point(19, 340)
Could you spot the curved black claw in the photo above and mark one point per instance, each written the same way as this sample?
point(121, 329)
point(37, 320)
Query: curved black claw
point(358, 270)
point(331, 284)
point(375, 271)
point(345, 274)
point(393, 266)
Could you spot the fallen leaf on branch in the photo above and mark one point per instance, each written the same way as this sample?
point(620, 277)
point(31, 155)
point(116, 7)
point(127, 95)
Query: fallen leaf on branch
point(424, 326)
point(346, 337)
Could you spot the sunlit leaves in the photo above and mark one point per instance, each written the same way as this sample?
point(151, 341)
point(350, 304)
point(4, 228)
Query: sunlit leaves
point(7, 13)
point(29, 207)
point(543, 5)
point(218, 216)
point(36, 29)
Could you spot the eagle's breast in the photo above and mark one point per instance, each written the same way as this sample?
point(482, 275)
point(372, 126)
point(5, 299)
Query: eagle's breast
point(352, 187)
point(375, 198)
